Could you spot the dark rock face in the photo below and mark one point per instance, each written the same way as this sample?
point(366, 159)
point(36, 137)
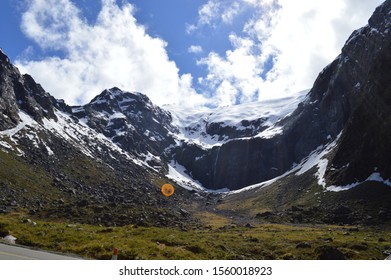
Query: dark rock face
point(8, 106)
point(365, 143)
point(34, 100)
point(17, 91)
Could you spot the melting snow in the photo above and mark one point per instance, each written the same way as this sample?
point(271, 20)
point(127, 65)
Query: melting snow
point(117, 115)
point(67, 129)
point(374, 177)
point(177, 173)
point(270, 132)
point(26, 120)
point(5, 145)
point(315, 159)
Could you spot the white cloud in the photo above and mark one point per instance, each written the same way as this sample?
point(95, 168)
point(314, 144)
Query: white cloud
point(295, 38)
point(207, 14)
point(231, 12)
point(61, 14)
point(236, 77)
point(195, 49)
point(114, 51)
point(216, 12)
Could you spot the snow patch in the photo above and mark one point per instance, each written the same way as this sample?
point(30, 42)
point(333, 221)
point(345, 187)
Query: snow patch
point(270, 132)
point(315, 159)
point(177, 173)
point(5, 145)
point(149, 158)
point(117, 115)
point(50, 151)
point(26, 120)
point(374, 177)
point(260, 185)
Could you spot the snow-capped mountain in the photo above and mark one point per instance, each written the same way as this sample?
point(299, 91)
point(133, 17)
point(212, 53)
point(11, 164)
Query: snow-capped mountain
point(209, 127)
point(132, 122)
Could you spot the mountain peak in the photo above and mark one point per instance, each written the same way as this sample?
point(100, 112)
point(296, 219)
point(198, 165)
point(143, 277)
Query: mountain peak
point(119, 98)
point(3, 56)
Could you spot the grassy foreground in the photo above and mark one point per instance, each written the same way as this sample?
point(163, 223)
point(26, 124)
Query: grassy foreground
point(267, 241)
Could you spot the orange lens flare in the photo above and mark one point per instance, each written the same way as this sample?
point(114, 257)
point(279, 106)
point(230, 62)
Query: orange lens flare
point(167, 190)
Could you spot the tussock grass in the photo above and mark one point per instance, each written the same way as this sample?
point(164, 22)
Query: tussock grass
point(268, 241)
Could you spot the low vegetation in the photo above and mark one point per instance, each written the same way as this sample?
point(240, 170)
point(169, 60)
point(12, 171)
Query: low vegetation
point(218, 240)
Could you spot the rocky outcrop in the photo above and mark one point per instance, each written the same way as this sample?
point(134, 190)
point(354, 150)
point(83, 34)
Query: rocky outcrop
point(21, 92)
point(8, 106)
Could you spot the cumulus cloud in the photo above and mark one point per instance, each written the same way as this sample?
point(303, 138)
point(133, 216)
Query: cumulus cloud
point(283, 47)
point(113, 51)
point(236, 77)
point(207, 14)
point(216, 12)
point(231, 12)
point(195, 49)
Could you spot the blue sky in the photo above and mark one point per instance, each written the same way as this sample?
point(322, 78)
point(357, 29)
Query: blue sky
point(190, 52)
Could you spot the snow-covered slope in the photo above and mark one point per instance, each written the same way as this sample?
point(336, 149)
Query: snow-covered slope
point(78, 134)
point(210, 127)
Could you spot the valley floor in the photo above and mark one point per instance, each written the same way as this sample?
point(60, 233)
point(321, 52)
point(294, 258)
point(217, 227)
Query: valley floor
point(218, 240)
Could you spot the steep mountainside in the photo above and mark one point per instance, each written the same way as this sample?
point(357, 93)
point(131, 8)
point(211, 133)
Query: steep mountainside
point(365, 143)
point(349, 96)
point(347, 114)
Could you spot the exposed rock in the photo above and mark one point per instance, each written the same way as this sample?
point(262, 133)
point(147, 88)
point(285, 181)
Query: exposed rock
point(8, 103)
point(10, 239)
point(360, 247)
point(303, 245)
point(327, 239)
point(265, 214)
point(131, 121)
point(363, 140)
point(329, 253)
